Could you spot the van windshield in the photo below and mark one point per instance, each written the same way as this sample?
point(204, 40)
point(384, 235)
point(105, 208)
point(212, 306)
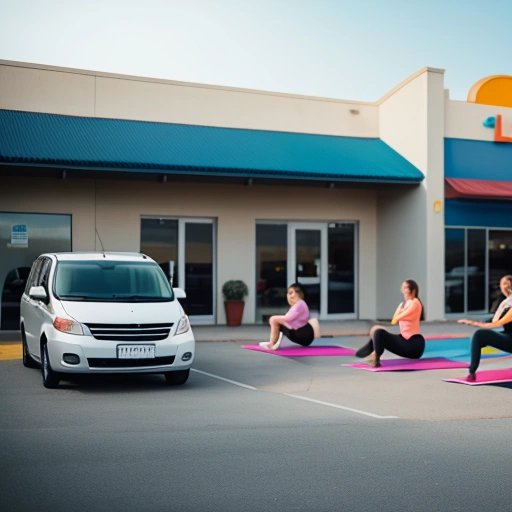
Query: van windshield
point(116, 281)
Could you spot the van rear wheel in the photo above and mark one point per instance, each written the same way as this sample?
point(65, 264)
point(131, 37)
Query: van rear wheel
point(177, 378)
point(28, 362)
point(51, 379)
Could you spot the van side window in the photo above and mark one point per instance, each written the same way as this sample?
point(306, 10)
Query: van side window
point(34, 275)
point(44, 274)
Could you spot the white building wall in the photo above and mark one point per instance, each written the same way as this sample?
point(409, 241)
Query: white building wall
point(410, 236)
point(93, 94)
point(465, 120)
point(114, 209)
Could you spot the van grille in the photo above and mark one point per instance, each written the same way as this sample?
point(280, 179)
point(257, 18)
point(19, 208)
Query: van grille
point(130, 332)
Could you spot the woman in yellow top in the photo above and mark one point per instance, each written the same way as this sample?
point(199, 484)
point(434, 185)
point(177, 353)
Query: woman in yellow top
point(409, 343)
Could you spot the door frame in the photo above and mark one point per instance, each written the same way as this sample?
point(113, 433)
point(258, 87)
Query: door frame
point(321, 226)
point(182, 222)
point(293, 227)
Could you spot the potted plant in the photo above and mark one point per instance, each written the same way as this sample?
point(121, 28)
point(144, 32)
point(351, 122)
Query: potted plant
point(234, 292)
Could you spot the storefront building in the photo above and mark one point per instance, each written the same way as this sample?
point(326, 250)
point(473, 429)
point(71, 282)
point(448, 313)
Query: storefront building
point(219, 183)
point(478, 190)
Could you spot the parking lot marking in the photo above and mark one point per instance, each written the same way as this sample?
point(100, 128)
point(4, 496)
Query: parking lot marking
point(320, 402)
point(10, 351)
point(240, 384)
point(335, 406)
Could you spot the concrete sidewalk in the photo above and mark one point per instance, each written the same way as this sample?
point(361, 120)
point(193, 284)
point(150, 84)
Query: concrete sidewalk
point(330, 329)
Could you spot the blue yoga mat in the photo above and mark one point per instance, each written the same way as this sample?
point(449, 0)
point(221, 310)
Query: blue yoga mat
point(456, 349)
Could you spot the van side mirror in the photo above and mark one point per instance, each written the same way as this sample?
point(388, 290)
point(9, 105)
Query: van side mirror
point(179, 293)
point(38, 293)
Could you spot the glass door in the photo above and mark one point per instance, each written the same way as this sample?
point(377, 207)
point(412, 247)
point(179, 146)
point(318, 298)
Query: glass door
point(185, 249)
point(321, 256)
point(307, 263)
point(196, 267)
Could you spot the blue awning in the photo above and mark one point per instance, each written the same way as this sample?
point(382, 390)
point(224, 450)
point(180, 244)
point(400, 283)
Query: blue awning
point(84, 143)
point(477, 159)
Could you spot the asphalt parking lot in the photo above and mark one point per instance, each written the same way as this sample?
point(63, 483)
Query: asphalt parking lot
point(257, 431)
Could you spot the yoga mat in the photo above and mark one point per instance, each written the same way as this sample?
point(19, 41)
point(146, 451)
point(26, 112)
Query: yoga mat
point(487, 377)
point(456, 349)
point(392, 365)
point(446, 337)
point(304, 351)
point(448, 348)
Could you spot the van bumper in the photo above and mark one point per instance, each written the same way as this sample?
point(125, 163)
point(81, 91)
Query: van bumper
point(85, 354)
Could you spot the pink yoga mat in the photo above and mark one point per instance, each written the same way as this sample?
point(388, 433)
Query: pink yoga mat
point(487, 377)
point(304, 351)
point(393, 365)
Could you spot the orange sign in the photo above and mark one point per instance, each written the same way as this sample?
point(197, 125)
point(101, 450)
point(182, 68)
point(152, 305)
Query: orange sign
point(492, 90)
point(498, 133)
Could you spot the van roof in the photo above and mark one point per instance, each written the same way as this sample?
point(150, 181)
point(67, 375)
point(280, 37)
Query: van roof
point(94, 255)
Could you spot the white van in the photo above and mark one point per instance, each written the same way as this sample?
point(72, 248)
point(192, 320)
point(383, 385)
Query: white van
point(103, 313)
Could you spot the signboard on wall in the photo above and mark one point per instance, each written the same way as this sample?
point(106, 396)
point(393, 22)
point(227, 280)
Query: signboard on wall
point(19, 235)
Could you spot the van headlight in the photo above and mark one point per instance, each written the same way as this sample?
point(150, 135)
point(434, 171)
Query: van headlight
point(183, 325)
point(68, 326)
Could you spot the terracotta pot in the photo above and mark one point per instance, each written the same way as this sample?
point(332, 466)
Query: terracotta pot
point(234, 312)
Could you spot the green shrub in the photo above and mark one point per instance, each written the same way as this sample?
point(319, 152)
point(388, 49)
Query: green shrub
point(234, 290)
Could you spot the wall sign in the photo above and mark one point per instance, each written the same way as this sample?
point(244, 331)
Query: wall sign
point(496, 123)
point(19, 235)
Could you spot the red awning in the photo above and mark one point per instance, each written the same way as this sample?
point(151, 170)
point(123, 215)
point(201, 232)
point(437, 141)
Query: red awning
point(481, 189)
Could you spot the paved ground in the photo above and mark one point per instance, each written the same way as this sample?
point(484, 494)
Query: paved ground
point(418, 395)
point(254, 431)
point(260, 332)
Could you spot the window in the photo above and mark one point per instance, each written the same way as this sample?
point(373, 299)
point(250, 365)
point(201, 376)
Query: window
point(23, 237)
point(321, 256)
point(475, 260)
point(185, 249)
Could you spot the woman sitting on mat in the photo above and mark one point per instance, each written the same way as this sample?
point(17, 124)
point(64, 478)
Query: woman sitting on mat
point(409, 343)
point(295, 325)
point(485, 336)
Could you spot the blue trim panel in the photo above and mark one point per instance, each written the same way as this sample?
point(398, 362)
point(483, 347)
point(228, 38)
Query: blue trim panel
point(475, 159)
point(36, 139)
point(492, 214)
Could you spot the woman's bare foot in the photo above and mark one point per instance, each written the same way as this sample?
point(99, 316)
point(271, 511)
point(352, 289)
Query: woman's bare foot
point(373, 360)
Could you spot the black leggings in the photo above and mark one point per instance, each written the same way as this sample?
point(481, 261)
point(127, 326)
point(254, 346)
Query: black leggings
point(487, 337)
point(302, 336)
point(412, 348)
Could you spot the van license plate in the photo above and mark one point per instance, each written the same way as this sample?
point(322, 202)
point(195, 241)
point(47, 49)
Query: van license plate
point(136, 351)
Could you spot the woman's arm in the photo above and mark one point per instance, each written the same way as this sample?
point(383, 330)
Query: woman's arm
point(408, 313)
point(292, 313)
point(394, 319)
point(505, 319)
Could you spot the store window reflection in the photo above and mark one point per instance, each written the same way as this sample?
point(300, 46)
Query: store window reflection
point(454, 270)
point(500, 263)
point(23, 237)
point(341, 285)
point(476, 239)
point(271, 270)
point(475, 261)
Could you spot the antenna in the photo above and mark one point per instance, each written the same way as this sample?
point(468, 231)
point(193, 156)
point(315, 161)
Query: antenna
point(99, 238)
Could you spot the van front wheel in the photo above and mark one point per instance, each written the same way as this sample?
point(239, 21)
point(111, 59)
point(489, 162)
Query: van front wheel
point(177, 378)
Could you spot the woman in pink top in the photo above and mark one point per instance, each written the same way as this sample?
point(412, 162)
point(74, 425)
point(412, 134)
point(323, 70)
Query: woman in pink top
point(409, 343)
point(296, 324)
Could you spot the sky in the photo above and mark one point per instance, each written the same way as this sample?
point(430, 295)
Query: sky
point(355, 50)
